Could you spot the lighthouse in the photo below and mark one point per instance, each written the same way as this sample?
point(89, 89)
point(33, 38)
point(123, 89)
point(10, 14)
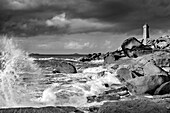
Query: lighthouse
point(145, 34)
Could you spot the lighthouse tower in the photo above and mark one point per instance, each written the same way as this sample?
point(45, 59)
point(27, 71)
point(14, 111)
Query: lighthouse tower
point(145, 34)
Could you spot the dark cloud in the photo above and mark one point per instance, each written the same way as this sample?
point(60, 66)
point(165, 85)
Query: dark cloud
point(28, 17)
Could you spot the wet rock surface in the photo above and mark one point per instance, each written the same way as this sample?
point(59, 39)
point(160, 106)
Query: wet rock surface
point(100, 98)
point(146, 84)
point(41, 110)
point(112, 94)
point(133, 106)
point(57, 66)
point(64, 67)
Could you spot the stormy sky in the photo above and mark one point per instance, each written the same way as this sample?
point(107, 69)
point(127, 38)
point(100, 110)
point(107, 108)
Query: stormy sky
point(81, 26)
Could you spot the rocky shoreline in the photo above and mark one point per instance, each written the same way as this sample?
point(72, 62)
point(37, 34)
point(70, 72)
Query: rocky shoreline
point(144, 73)
point(141, 69)
point(144, 70)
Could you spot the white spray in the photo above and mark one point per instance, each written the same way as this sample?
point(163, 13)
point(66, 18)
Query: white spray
point(13, 61)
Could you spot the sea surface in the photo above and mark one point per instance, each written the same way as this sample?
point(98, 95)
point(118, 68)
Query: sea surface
point(26, 83)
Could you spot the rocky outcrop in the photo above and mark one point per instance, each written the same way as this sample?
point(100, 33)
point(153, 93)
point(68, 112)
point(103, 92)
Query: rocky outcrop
point(130, 43)
point(161, 58)
point(90, 57)
point(151, 69)
point(131, 47)
point(152, 77)
point(134, 48)
point(133, 106)
point(143, 74)
point(111, 57)
point(151, 64)
point(143, 71)
point(162, 42)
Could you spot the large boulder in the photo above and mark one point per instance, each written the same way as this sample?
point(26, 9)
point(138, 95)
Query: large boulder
point(162, 42)
point(64, 67)
point(142, 74)
point(57, 66)
point(134, 48)
point(150, 64)
point(130, 43)
point(146, 84)
point(151, 69)
point(133, 106)
point(124, 74)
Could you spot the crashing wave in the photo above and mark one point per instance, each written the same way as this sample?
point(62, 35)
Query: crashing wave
point(14, 62)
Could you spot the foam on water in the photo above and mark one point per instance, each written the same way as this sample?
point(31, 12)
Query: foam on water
point(97, 61)
point(75, 93)
point(94, 70)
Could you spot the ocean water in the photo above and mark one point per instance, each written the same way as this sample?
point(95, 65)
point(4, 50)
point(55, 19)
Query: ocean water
point(26, 83)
